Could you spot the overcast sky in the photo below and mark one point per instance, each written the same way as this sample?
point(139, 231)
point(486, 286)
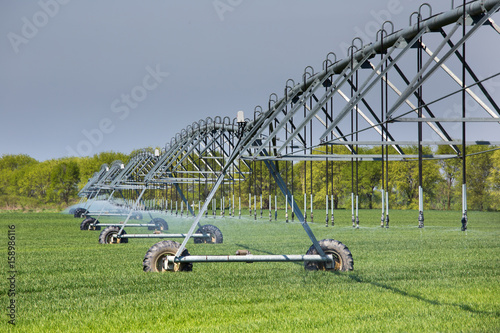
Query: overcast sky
point(82, 77)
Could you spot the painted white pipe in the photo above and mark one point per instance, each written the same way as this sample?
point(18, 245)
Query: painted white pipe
point(357, 206)
point(311, 203)
point(332, 203)
point(420, 199)
point(352, 204)
point(387, 203)
point(464, 198)
point(305, 204)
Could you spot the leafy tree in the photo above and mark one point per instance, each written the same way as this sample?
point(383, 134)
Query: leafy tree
point(404, 176)
point(64, 180)
point(89, 165)
point(478, 169)
point(451, 171)
point(10, 165)
point(493, 180)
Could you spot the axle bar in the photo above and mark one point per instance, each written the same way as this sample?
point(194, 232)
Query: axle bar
point(119, 224)
point(161, 236)
point(253, 258)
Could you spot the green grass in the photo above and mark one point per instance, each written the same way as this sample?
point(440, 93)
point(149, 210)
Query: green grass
point(405, 279)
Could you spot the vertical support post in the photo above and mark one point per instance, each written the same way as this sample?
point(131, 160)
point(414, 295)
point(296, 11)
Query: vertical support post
point(420, 207)
point(326, 205)
point(357, 211)
point(420, 176)
point(255, 207)
point(312, 214)
point(305, 207)
point(261, 204)
point(352, 210)
point(239, 207)
point(275, 207)
point(383, 204)
point(387, 209)
point(270, 216)
point(250, 204)
point(464, 155)
point(333, 218)
point(382, 126)
point(286, 208)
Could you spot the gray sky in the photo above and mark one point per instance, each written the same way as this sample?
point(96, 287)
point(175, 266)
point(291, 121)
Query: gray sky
point(81, 77)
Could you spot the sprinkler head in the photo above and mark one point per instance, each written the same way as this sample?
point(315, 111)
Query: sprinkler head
point(421, 219)
point(464, 221)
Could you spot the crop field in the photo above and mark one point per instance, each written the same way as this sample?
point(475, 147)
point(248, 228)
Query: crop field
point(404, 279)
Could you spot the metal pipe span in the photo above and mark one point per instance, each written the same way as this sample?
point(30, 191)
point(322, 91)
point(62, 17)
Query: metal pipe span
point(432, 23)
point(256, 258)
point(161, 236)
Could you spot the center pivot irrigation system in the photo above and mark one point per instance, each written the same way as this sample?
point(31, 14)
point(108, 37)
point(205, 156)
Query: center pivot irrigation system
point(373, 97)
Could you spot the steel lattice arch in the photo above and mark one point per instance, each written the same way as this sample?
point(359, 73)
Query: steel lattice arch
point(382, 94)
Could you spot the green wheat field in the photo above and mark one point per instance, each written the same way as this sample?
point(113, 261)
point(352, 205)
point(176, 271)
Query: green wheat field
point(405, 279)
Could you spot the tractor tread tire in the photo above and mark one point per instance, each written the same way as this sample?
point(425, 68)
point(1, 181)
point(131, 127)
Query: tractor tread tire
point(153, 257)
point(214, 233)
point(160, 224)
point(80, 212)
point(85, 225)
point(341, 254)
point(106, 236)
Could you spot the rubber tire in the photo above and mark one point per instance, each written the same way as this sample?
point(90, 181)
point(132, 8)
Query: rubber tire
point(153, 258)
point(160, 223)
point(106, 236)
point(85, 225)
point(80, 212)
point(341, 254)
point(213, 231)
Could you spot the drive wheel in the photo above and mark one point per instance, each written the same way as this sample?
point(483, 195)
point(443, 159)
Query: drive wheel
point(214, 233)
point(108, 236)
point(89, 224)
point(160, 224)
point(79, 212)
point(154, 258)
point(342, 257)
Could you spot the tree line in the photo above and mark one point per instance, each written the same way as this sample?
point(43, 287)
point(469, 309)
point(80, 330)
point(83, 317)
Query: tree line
point(26, 183)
